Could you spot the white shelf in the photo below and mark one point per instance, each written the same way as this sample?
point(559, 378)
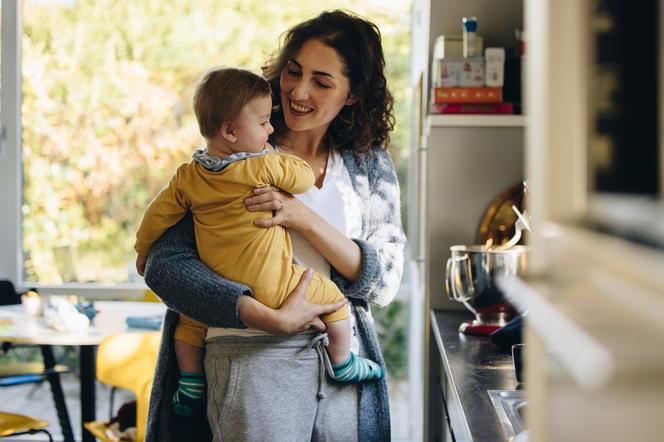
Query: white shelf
point(476, 120)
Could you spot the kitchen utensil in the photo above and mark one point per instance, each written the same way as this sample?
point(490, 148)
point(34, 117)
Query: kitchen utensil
point(471, 279)
point(520, 225)
point(497, 224)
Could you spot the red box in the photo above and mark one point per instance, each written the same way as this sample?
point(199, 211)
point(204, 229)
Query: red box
point(472, 108)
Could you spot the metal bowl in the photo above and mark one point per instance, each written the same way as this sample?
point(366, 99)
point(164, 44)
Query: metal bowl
point(471, 277)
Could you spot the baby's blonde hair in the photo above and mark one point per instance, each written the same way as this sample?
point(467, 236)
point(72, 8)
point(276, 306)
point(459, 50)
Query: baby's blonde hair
point(222, 93)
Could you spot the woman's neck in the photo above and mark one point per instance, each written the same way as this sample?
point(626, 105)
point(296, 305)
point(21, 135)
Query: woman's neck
point(307, 144)
point(310, 148)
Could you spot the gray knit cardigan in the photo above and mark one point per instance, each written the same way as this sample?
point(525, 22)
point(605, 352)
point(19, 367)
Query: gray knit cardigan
point(186, 285)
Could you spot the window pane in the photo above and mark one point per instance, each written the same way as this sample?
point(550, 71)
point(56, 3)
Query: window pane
point(107, 118)
point(107, 115)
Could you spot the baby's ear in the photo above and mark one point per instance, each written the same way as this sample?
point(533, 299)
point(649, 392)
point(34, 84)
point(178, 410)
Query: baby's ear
point(227, 131)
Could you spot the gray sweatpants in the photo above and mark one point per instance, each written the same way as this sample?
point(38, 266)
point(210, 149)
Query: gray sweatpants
point(269, 388)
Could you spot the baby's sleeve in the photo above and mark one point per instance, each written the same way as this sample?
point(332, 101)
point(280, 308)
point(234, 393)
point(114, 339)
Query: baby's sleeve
point(165, 210)
point(289, 173)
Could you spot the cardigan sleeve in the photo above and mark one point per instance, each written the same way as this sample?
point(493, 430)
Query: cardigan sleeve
point(382, 243)
point(185, 284)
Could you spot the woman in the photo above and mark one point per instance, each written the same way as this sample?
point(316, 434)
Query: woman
point(265, 380)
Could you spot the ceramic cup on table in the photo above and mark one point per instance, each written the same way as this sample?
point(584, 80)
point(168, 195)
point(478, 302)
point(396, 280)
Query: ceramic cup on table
point(33, 304)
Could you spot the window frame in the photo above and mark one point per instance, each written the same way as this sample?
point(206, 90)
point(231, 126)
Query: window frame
point(11, 170)
point(10, 142)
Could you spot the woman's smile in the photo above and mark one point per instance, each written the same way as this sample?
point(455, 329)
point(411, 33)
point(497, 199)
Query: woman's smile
point(299, 109)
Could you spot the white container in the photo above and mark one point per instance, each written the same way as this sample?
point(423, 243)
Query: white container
point(445, 46)
point(494, 75)
point(469, 26)
point(33, 305)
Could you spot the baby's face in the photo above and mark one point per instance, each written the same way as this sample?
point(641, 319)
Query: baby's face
point(252, 125)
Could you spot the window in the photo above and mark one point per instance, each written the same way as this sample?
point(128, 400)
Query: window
point(106, 117)
point(10, 130)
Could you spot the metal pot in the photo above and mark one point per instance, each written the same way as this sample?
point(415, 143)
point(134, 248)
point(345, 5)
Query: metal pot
point(471, 279)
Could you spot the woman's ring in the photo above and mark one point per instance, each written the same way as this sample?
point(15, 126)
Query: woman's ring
point(282, 205)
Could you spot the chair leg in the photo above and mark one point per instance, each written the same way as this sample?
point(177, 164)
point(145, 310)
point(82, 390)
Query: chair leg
point(110, 407)
point(50, 438)
point(58, 394)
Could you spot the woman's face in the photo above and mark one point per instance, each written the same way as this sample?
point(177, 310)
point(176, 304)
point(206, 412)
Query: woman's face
point(313, 88)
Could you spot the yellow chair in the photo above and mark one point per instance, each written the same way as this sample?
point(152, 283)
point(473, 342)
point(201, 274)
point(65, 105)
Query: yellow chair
point(128, 361)
point(17, 424)
point(150, 296)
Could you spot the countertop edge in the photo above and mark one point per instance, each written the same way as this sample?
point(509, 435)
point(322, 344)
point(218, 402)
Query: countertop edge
point(473, 365)
point(439, 341)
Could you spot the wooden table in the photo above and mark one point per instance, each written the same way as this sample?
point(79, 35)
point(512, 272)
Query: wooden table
point(17, 327)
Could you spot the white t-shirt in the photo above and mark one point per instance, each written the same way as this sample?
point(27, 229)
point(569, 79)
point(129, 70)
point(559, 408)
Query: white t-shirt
point(339, 205)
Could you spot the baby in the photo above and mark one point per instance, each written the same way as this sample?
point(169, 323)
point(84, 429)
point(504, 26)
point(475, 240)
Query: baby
point(233, 108)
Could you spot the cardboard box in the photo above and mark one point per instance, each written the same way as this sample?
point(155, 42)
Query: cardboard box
point(450, 71)
point(468, 95)
point(460, 72)
point(448, 46)
point(445, 46)
point(473, 72)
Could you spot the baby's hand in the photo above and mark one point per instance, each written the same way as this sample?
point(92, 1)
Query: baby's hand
point(140, 264)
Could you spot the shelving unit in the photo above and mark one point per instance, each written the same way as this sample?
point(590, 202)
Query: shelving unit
point(459, 163)
point(476, 121)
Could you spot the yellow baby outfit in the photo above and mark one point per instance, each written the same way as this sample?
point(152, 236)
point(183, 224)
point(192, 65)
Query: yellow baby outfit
point(227, 239)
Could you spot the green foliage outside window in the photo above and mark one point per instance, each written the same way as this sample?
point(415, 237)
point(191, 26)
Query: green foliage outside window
point(107, 117)
point(107, 114)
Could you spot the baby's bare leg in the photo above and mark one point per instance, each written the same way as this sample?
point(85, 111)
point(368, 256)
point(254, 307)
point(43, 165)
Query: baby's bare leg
point(346, 366)
point(189, 357)
point(338, 333)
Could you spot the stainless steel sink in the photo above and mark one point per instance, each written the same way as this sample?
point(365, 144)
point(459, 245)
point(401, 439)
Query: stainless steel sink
point(510, 406)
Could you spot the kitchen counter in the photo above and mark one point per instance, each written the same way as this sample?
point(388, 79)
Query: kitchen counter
point(463, 368)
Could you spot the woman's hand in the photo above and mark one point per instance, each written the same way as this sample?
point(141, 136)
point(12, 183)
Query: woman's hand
point(288, 211)
point(296, 314)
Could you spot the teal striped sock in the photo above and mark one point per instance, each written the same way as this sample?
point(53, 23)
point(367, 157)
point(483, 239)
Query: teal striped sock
point(188, 397)
point(356, 369)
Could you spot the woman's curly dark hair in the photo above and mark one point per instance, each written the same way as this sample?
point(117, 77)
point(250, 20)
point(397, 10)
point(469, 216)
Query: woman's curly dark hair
point(365, 124)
